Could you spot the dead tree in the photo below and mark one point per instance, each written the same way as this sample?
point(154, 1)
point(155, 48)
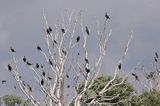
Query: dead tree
point(66, 49)
point(149, 79)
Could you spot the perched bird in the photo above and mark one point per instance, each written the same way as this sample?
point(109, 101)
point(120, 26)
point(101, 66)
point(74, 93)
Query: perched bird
point(9, 67)
point(12, 50)
point(50, 29)
point(63, 30)
point(64, 52)
point(87, 70)
point(24, 59)
point(68, 86)
point(97, 93)
point(86, 60)
point(78, 38)
point(49, 78)
point(55, 41)
point(87, 30)
point(48, 32)
point(50, 62)
point(78, 53)
point(109, 84)
point(156, 55)
point(29, 64)
point(119, 66)
point(155, 59)
point(43, 73)
point(67, 76)
point(4, 81)
point(39, 48)
point(106, 15)
point(29, 87)
point(135, 75)
point(42, 82)
point(37, 65)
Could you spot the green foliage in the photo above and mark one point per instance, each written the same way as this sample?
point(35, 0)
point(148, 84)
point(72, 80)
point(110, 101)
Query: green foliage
point(99, 84)
point(151, 98)
point(24, 103)
point(11, 100)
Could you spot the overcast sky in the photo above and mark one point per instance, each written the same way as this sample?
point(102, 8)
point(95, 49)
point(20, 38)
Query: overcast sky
point(21, 27)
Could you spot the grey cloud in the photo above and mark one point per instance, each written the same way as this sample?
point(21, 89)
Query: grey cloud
point(21, 25)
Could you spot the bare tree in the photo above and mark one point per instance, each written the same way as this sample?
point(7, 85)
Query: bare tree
point(67, 52)
point(149, 78)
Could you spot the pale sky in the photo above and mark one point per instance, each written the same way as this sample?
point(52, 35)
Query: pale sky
point(21, 27)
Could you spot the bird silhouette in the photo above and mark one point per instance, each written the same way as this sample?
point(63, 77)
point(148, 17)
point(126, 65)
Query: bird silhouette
point(37, 65)
point(109, 84)
point(119, 66)
point(63, 30)
point(86, 60)
point(48, 32)
point(107, 16)
point(78, 38)
point(135, 75)
point(49, 78)
point(43, 73)
point(87, 30)
point(29, 87)
point(155, 59)
point(50, 29)
point(87, 70)
point(156, 55)
point(55, 41)
point(39, 48)
point(24, 59)
point(67, 76)
point(97, 93)
point(12, 50)
point(68, 86)
point(64, 52)
point(50, 62)
point(9, 67)
point(4, 81)
point(42, 82)
point(29, 64)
